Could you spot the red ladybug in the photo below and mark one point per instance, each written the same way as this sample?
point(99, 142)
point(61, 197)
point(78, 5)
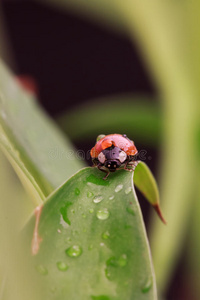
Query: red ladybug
point(113, 151)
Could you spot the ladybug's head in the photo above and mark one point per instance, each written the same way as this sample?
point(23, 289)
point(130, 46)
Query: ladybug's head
point(112, 158)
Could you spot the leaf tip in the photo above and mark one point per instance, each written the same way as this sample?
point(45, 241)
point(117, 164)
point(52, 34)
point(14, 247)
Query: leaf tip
point(158, 210)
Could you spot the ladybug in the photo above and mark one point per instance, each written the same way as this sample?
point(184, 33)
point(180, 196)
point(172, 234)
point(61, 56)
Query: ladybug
point(112, 152)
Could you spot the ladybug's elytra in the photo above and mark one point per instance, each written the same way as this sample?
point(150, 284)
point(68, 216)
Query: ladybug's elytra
point(113, 151)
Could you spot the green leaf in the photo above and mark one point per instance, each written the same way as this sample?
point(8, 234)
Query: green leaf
point(14, 210)
point(41, 155)
point(136, 116)
point(101, 250)
point(146, 183)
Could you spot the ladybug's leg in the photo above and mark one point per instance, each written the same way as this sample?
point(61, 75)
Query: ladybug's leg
point(103, 170)
point(130, 165)
point(95, 162)
point(106, 175)
point(126, 166)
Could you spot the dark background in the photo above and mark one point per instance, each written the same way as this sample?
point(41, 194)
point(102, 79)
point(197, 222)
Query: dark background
point(73, 60)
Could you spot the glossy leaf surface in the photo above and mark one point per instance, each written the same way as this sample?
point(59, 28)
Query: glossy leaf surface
point(94, 244)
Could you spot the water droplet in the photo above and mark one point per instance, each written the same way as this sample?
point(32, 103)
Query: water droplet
point(63, 223)
point(62, 266)
point(117, 262)
point(84, 216)
point(98, 199)
point(111, 197)
point(74, 251)
point(63, 211)
point(90, 247)
point(118, 188)
point(89, 194)
point(128, 190)
point(91, 210)
point(105, 235)
point(112, 261)
point(77, 191)
point(130, 210)
point(147, 286)
point(122, 261)
point(42, 270)
point(103, 214)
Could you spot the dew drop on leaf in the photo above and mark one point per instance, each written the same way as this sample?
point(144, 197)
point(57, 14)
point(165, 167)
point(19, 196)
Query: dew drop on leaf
point(112, 261)
point(74, 251)
point(130, 210)
point(128, 190)
point(106, 235)
point(122, 261)
point(64, 210)
point(91, 210)
point(103, 214)
point(118, 188)
point(98, 199)
point(147, 286)
point(77, 191)
point(62, 266)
